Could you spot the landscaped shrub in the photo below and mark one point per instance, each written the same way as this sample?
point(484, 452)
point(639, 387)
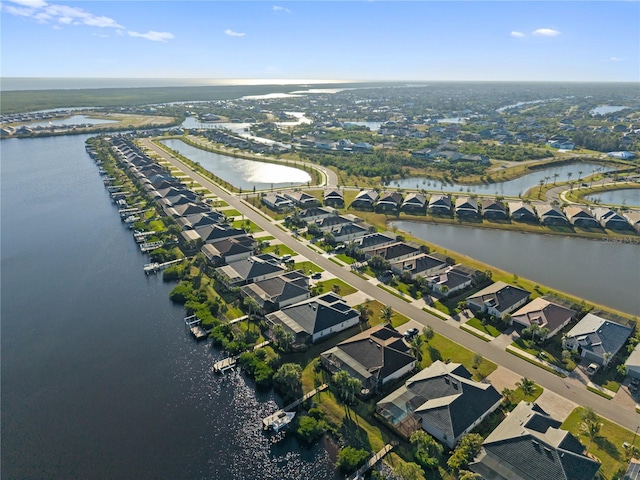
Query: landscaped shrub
point(182, 292)
point(350, 459)
point(309, 429)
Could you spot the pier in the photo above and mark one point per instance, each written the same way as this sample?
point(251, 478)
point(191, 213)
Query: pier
point(371, 462)
point(147, 247)
point(224, 365)
point(194, 324)
point(140, 236)
point(155, 267)
point(268, 421)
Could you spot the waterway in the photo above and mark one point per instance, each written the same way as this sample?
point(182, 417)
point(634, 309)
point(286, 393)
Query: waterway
point(604, 273)
point(242, 173)
point(510, 188)
point(604, 109)
point(99, 377)
point(626, 196)
point(72, 120)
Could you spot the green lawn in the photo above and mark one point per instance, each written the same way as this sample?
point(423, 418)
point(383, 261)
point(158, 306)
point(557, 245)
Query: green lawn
point(279, 249)
point(394, 292)
point(250, 227)
point(375, 319)
point(539, 352)
point(345, 258)
point(344, 288)
point(488, 329)
point(519, 396)
point(266, 239)
point(441, 348)
point(307, 265)
point(438, 305)
point(231, 213)
point(607, 446)
point(156, 225)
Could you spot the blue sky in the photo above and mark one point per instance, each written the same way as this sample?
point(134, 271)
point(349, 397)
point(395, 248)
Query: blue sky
point(362, 40)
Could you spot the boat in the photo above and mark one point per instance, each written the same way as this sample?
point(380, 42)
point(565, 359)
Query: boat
point(281, 420)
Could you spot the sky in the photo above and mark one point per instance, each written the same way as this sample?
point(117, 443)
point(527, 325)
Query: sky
point(334, 40)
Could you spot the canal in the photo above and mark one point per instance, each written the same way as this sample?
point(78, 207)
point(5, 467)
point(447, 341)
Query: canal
point(602, 272)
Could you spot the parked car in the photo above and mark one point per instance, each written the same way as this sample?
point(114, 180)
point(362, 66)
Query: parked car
point(592, 368)
point(316, 275)
point(409, 334)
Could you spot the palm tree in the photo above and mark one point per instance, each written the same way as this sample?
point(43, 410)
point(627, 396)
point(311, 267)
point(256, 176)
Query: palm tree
point(555, 177)
point(569, 175)
point(591, 430)
point(386, 313)
point(416, 348)
point(579, 175)
point(526, 385)
point(364, 311)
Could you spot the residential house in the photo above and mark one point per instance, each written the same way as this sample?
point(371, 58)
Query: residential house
point(213, 233)
point(315, 319)
point(197, 220)
point(316, 213)
point(551, 215)
point(466, 207)
point(440, 204)
point(394, 252)
point(481, 159)
point(494, 209)
point(530, 445)
point(334, 197)
point(373, 241)
point(277, 202)
point(498, 299)
point(365, 200)
point(186, 209)
point(389, 202)
point(302, 199)
point(597, 339)
point(610, 219)
point(327, 224)
point(277, 292)
point(633, 217)
point(522, 212)
point(580, 216)
point(375, 357)
point(228, 250)
point(421, 265)
point(545, 314)
point(450, 280)
point(348, 232)
point(249, 270)
point(632, 365)
point(622, 155)
point(443, 400)
point(414, 203)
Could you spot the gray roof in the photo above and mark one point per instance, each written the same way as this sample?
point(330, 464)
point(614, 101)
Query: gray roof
point(395, 250)
point(369, 196)
point(544, 313)
point(441, 201)
point(248, 269)
point(443, 394)
point(499, 295)
point(278, 289)
point(529, 445)
point(333, 193)
point(466, 203)
point(600, 335)
point(420, 263)
point(415, 199)
point(373, 240)
point(451, 278)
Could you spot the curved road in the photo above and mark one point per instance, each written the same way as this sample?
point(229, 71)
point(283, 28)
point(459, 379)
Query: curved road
point(565, 387)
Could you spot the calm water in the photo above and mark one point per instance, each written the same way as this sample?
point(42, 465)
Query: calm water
point(241, 172)
point(604, 109)
point(510, 188)
point(99, 377)
point(605, 273)
point(73, 120)
point(626, 196)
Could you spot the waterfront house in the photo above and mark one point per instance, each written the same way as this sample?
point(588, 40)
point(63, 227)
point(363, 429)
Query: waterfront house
point(597, 339)
point(375, 357)
point(622, 155)
point(633, 217)
point(466, 207)
point(277, 202)
point(450, 280)
point(347, 232)
point(493, 209)
point(417, 265)
point(302, 199)
point(498, 299)
point(530, 445)
point(545, 314)
point(580, 216)
point(373, 241)
point(277, 292)
point(414, 203)
point(365, 200)
point(440, 204)
point(315, 319)
point(228, 250)
point(522, 212)
point(632, 365)
point(551, 215)
point(610, 219)
point(200, 219)
point(443, 400)
point(189, 208)
point(249, 270)
point(326, 224)
point(334, 197)
point(394, 252)
point(389, 202)
point(213, 233)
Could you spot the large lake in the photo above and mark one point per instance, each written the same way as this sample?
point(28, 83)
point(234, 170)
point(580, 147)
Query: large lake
point(242, 173)
point(625, 196)
point(99, 377)
point(72, 120)
point(510, 188)
point(605, 273)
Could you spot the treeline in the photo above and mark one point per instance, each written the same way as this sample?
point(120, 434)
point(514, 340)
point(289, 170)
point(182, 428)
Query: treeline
point(601, 142)
point(376, 164)
point(514, 153)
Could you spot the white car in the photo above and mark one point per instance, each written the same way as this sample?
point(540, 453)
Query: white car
point(592, 368)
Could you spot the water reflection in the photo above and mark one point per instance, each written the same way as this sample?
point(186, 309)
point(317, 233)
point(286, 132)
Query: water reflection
point(625, 196)
point(241, 172)
point(72, 120)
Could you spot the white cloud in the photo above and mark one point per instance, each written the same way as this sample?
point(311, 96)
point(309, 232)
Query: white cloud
point(231, 33)
point(517, 34)
point(278, 8)
point(153, 36)
point(64, 15)
point(546, 32)
point(614, 59)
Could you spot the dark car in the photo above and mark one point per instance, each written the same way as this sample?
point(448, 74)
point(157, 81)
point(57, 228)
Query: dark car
point(409, 334)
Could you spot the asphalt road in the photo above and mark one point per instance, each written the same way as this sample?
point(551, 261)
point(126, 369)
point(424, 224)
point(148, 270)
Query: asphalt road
point(565, 387)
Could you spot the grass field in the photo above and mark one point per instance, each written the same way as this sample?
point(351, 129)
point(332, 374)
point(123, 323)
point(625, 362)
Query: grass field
point(343, 289)
point(441, 348)
point(488, 329)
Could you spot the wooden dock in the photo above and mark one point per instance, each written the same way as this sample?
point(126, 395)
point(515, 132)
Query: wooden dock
point(267, 421)
point(194, 324)
point(371, 462)
point(224, 365)
point(147, 247)
point(155, 267)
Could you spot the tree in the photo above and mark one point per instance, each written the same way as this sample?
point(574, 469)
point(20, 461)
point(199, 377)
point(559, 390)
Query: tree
point(428, 333)
point(466, 449)
point(416, 348)
point(588, 414)
point(347, 386)
point(408, 471)
point(467, 475)
point(477, 360)
point(386, 313)
point(428, 450)
point(591, 430)
point(507, 396)
point(310, 428)
point(289, 379)
point(350, 458)
point(526, 385)
point(364, 311)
